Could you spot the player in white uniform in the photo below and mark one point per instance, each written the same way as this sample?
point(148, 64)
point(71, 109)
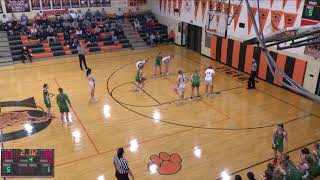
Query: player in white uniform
point(140, 64)
point(92, 84)
point(166, 61)
point(181, 85)
point(208, 79)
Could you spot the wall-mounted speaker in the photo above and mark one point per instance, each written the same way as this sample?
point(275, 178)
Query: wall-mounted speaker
point(242, 25)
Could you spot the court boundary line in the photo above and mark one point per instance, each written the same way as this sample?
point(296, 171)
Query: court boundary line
point(184, 125)
point(81, 124)
point(125, 146)
point(147, 94)
point(163, 103)
point(259, 90)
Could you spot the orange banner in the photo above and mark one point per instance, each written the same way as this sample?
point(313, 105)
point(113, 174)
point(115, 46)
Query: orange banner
point(271, 3)
point(179, 6)
point(160, 5)
point(236, 12)
point(275, 19)
point(196, 8)
point(204, 7)
point(298, 3)
point(254, 11)
point(284, 2)
point(169, 5)
point(165, 6)
point(289, 19)
point(212, 5)
point(264, 13)
point(226, 8)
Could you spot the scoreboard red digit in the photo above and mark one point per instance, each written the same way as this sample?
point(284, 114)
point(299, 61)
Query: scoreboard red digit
point(27, 163)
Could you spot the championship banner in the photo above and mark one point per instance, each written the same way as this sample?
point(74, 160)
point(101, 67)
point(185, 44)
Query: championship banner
point(236, 12)
point(298, 3)
point(1, 11)
point(46, 4)
point(264, 13)
point(284, 2)
point(160, 5)
point(84, 3)
point(66, 3)
point(179, 6)
point(254, 11)
point(275, 20)
point(226, 8)
point(35, 5)
point(169, 5)
point(196, 6)
point(289, 19)
point(204, 8)
point(56, 4)
point(13, 6)
point(75, 4)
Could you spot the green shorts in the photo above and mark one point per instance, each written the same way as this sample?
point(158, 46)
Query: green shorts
point(195, 84)
point(279, 147)
point(48, 105)
point(158, 62)
point(64, 109)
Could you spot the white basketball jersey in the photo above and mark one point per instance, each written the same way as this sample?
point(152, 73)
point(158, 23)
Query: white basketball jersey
point(209, 73)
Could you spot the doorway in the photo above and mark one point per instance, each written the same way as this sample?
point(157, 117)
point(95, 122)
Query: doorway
point(193, 37)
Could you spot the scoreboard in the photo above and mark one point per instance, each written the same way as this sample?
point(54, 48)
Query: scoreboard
point(27, 163)
point(311, 10)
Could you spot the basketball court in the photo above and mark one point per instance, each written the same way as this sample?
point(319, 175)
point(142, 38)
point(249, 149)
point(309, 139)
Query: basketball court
point(228, 132)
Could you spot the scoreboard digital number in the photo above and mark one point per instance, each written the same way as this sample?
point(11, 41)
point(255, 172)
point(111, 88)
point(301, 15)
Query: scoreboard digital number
point(311, 10)
point(27, 163)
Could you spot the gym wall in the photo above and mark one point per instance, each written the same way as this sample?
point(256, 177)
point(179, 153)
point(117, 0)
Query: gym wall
point(305, 69)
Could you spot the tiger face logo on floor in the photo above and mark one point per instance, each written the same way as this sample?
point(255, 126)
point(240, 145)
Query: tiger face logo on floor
point(165, 163)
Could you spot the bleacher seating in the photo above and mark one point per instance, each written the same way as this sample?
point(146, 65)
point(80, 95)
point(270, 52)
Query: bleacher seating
point(59, 48)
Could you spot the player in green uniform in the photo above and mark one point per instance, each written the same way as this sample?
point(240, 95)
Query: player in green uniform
point(195, 83)
point(140, 79)
point(278, 138)
point(46, 99)
point(290, 169)
point(63, 101)
point(157, 64)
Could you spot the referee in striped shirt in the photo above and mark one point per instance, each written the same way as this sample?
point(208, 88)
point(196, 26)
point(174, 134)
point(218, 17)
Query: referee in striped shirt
point(121, 166)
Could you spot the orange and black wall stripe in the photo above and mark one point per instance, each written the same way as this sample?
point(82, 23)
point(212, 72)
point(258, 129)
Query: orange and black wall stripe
point(236, 54)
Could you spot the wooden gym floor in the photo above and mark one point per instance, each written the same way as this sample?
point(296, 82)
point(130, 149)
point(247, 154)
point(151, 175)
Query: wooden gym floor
point(230, 131)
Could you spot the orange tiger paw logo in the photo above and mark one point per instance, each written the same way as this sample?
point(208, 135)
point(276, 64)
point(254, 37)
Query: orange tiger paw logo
point(166, 164)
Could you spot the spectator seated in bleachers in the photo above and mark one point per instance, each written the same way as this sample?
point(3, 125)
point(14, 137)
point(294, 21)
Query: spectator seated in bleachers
point(119, 14)
point(158, 39)
point(115, 39)
point(26, 54)
point(152, 39)
point(24, 20)
point(88, 14)
point(137, 25)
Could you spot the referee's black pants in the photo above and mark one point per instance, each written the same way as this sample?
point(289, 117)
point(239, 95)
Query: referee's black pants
point(252, 82)
point(82, 59)
point(122, 176)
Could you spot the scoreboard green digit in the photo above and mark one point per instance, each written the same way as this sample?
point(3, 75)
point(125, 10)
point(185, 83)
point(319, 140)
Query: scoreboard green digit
point(311, 10)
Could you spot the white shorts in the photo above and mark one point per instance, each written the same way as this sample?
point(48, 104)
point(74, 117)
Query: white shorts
point(91, 85)
point(208, 81)
point(181, 88)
